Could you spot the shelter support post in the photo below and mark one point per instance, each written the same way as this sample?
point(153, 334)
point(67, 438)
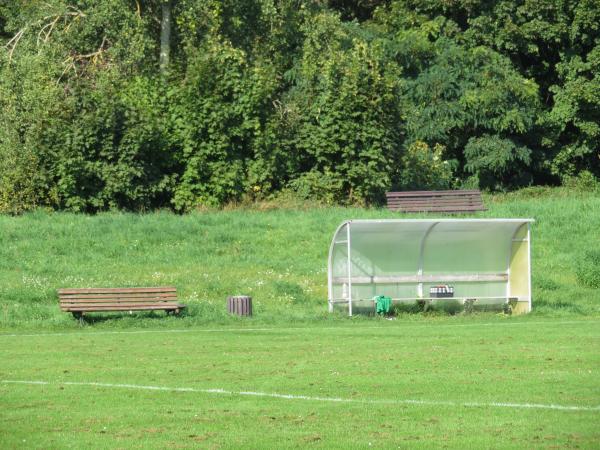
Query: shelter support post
point(349, 271)
point(422, 258)
point(529, 266)
point(518, 289)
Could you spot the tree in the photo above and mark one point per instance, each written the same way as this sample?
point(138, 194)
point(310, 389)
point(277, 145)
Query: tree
point(473, 103)
point(165, 35)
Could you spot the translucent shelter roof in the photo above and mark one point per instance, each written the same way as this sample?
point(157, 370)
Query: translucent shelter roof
point(486, 261)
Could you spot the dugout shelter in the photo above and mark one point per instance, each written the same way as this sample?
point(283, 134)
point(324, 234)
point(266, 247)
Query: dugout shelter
point(486, 262)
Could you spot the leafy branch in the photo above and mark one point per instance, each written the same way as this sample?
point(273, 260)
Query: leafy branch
point(47, 25)
point(94, 58)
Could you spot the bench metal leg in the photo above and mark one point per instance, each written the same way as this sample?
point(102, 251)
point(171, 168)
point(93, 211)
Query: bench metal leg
point(468, 304)
point(425, 304)
point(79, 316)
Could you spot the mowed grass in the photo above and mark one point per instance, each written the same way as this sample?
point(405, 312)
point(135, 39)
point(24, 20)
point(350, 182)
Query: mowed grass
point(384, 384)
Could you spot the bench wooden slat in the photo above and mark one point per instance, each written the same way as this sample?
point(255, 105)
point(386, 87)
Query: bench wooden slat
point(448, 193)
point(437, 197)
point(430, 205)
point(116, 302)
point(117, 296)
point(116, 305)
point(440, 200)
point(435, 201)
point(67, 304)
point(437, 209)
point(116, 290)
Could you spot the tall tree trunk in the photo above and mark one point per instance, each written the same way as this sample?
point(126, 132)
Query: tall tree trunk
point(165, 35)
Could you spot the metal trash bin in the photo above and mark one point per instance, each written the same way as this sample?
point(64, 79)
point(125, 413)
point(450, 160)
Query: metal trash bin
point(240, 305)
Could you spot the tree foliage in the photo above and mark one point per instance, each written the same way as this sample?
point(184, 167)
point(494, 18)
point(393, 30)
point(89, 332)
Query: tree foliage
point(338, 100)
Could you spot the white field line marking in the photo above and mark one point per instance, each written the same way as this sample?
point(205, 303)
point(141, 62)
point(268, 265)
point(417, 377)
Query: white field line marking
point(354, 328)
point(316, 399)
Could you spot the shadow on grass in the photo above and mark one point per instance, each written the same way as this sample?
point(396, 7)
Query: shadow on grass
point(98, 318)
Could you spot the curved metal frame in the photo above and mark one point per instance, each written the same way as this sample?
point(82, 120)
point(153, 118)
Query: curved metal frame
point(330, 264)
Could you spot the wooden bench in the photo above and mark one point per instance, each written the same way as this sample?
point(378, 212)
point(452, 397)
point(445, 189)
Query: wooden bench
point(435, 201)
point(81, 301)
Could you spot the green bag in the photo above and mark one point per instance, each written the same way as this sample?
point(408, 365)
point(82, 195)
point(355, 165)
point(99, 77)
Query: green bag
point(382, 304)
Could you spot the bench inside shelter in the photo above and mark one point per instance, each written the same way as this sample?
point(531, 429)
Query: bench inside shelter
point(81, 301)
point(457, 201)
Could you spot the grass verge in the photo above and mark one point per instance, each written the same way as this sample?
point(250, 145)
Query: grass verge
point(277, 256)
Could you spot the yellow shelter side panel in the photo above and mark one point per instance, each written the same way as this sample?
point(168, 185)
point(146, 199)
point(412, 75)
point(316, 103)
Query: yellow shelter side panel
point(521, 233)
point(519, 271)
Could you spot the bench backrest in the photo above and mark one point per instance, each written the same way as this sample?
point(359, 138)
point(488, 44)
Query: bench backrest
point(435, 201)
point(118, 299)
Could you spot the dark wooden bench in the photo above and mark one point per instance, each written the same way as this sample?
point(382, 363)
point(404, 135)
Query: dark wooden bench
point(435, 201)
point(81, 301)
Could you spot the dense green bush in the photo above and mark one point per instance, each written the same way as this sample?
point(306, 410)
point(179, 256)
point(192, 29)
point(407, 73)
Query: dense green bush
point(585, 181)
point(34, 110)
point(217, 119)
point(342, 116)
point(496, 161)
point(424, 168)
point(476, 105)
point(333, 101)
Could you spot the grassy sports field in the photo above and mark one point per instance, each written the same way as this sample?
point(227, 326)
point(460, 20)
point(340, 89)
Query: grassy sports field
point(293, 375)
point(473, 384)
